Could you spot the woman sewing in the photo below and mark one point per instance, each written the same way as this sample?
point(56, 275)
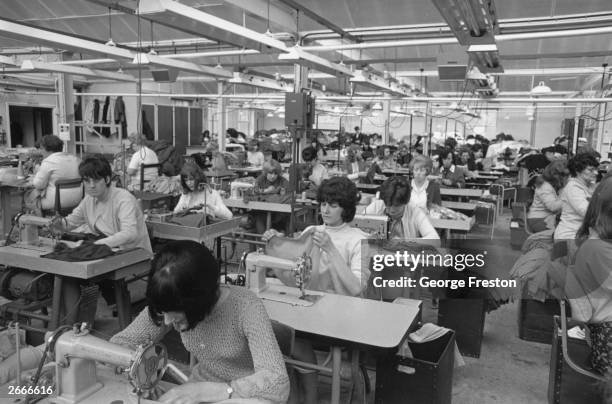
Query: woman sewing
point(226, 328)
point(198, 195)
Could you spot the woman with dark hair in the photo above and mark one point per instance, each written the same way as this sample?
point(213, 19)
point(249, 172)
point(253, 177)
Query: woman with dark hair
point(576, 194)
point(354, 165)
point(589, 280)
point(546, 203)
point(408, 222)
point(198, 195)
point(271, 182)
point(225, 327)
point(56, 165)
point(255, 157)
point(319, 172)
point(339, 269)
point(385, 158)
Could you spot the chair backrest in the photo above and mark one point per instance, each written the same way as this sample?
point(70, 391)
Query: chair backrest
point(143, 167)
point(566, 357)
point(72, 183)
point(496, 189)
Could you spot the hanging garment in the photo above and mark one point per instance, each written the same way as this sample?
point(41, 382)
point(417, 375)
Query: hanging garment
point(119, 116)
point(96, 114)
point(105, 118)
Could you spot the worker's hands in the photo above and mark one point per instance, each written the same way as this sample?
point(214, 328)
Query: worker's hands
point(195, 393)
point(57, 225)
point(269, 190)
point(268, 234)
point(447, 182)
point(323, 241)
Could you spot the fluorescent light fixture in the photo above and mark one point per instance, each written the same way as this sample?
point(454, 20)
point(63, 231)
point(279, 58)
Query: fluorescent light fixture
point(297, 55)
point(540, 89)
point(262, 82)
point(4, 60)
point(486, 58)
point(148, 59)
point(373, 80)
point(270, 114)
point(377, 107)
point(471, 21)
point(33, 66)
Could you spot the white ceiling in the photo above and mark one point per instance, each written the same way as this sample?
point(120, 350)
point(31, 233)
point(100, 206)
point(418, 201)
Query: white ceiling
point(90, 19)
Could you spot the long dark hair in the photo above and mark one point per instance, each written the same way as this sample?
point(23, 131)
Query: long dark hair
point(184, 277)
point(599, 213)
point(555, 174)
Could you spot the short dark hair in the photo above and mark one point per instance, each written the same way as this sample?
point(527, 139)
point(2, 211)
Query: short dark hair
point(184, 277)
point(443, 153)
point(309, 154)
point(555, 174)
point(52, 143)
point(342, 191)
point(579, 162)
point(96, 167)
point(395, 191)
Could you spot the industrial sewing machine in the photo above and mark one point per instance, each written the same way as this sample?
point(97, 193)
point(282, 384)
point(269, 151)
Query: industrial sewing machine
point(28, 227)
point(77, 353)
point(376, 225)
point(257, 263)
point(237, 188)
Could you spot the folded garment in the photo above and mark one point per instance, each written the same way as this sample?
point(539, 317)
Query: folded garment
point(88, 251)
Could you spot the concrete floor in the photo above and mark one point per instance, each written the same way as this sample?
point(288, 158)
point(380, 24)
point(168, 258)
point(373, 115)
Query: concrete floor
point(509, 370)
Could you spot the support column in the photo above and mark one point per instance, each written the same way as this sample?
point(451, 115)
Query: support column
point(601, 131)
point(221, 124)
point(576, 126)
point(532, 133)
point(386, 113)
point(65, 104)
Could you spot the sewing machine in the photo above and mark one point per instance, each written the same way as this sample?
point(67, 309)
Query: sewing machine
point(238, 188)
point(256, 264)
point(376, 225)
point(28, 227)
point(76, 353)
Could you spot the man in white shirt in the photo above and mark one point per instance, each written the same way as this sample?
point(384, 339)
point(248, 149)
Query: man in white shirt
point(142, 155)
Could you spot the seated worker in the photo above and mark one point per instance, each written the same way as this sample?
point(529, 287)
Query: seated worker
point(403, 156)
point(197, 194)
point(576, 194)
point(408, 222)
point(107, 212)
point(546, 203)
point(340, 269)
point(56, 165)
point(270, 182)
point(319, 172)
point(142, 155)
point(424, 193)
point(354, 165)
point(452, 176)
point(255, 158)
point(589, 281)
point(385, 158)
point(226, 328)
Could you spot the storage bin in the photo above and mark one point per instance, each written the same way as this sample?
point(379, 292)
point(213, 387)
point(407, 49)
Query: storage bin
point(484, 213)
point(565, 385)
point(466, 317)
point(426, 378)
point(535, 319)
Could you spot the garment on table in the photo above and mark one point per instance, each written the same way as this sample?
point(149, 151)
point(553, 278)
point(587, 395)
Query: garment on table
point(575, 198)
point(87, 251)
point(262, 183)
point(208, 197)
point(143, 155)
point(118, 217)
point(234, 344)
point(58, 166)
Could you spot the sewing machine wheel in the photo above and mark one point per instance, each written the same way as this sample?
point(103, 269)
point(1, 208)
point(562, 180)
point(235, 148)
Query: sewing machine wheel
point(147, 370)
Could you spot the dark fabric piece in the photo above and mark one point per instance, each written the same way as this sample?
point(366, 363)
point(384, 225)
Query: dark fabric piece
point(106, 130)
point(120, 117)
point(433, 194)
point(146, 127)
point(96, 114)
point(85, 252)
point(191, 219)
point(168, 157)
point(535, 162)
point(369, 178)
point(601, 348)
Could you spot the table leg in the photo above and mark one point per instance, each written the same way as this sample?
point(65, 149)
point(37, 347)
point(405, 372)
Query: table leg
point(268, 220)
point(358, 390)
point(122, 296)
point(336, 362)
point(56, 304)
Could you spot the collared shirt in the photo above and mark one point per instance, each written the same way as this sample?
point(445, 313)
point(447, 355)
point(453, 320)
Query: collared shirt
point(144, 155)
point(118, 217)
point(575, 198)
point(208, 197)
point(418, 195)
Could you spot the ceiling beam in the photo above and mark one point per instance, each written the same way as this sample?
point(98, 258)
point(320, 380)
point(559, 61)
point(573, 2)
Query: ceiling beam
point(5, 60)
point(147, 58)
point(321, 20)
point(32, 66)
point(260, 82)
point(188, 19)
point(278, 18)
point(372, 80)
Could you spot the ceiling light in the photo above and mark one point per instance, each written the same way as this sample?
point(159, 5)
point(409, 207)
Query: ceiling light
point(110, 42)
point(152, 52)
point(377, 107)
point(270, 114)
point(471, 21)
point(540, 89)
point(281, 115)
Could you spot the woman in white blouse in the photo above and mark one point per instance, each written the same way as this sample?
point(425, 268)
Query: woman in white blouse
point(198, 195)
point(424, 192)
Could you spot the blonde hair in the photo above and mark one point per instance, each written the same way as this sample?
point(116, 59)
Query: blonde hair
point(421, 161)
